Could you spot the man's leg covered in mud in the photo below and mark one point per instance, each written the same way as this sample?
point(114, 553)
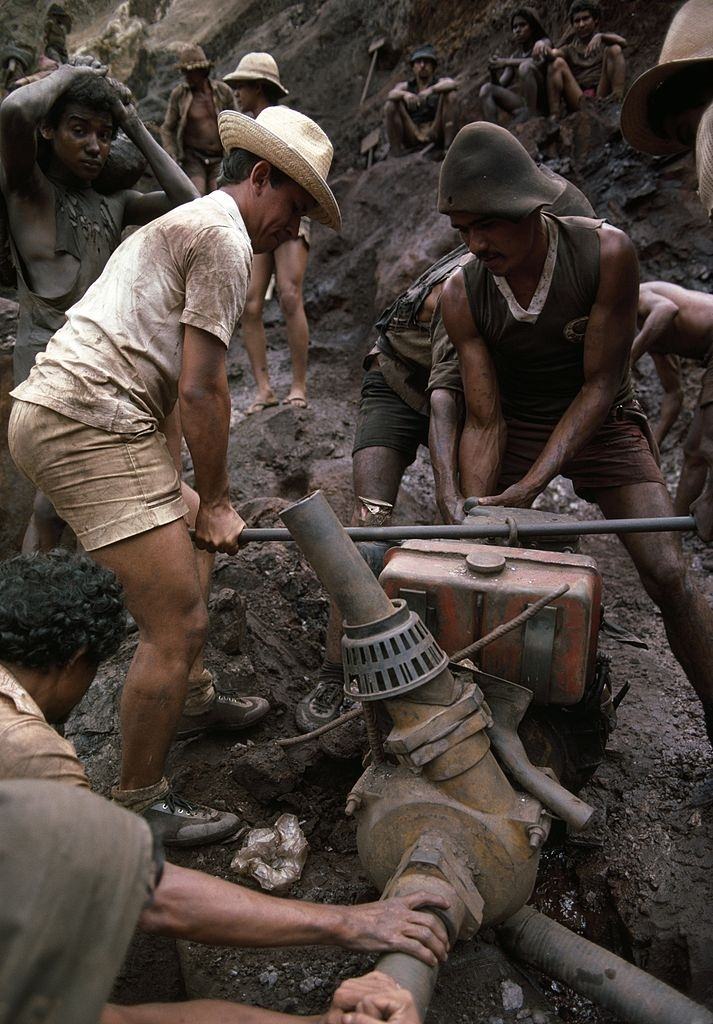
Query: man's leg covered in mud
point(659, 560)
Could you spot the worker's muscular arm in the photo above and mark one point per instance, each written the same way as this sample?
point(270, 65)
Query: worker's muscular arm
point(483, 439)
point(177, 187)
point(444, 433)
point(607, 350)
point(658, 315)
point(668, 368)
point(204, 406)
point(192, 905)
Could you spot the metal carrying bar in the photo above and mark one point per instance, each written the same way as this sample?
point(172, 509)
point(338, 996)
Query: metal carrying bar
point(483, 531)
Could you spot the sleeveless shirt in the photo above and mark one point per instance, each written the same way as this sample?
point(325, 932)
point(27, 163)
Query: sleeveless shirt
point(88, 227)
point(540, 365)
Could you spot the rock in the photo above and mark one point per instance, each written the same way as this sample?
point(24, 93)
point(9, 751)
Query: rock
point(227, 621)
point(266, 771)
point(512, 995)
point(268, 977)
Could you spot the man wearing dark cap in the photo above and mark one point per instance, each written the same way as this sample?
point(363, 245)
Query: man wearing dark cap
point(189, 132)
point(543, 321)
point(421, 110)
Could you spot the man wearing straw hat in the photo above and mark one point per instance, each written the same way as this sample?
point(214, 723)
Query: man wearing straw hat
point(668, 110)
point(543, 321)
point(89, 428)
point(189, 132)
point(256, 83)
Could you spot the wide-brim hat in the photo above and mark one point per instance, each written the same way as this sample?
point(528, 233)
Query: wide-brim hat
point(689, 41)
point(193, 58)
point(489, 173)
point(425, 52)
point(294, 144)
point(704, 160)
point(257, 67)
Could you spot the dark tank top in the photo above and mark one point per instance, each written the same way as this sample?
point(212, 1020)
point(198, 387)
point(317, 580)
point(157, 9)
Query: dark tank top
point(540, 365)
point(88, 226)
point(427, 107)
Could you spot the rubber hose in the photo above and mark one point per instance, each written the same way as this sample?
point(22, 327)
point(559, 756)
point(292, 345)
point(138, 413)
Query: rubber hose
point(411, 974)
point(603, 977)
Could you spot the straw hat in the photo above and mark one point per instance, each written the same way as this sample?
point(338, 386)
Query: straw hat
point(192, 58)
point(689, 41)
point(257, 67)
point(294, 144)
point(704, 160)
point(489, 173)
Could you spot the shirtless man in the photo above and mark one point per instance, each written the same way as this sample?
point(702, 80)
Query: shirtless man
point(520, 86)
point(62, 230)
point(421, 110)
point(543, 321)
point(591, 64)
point(674, 322)
point(89, 427)
point(256, 83)
point(189, 132)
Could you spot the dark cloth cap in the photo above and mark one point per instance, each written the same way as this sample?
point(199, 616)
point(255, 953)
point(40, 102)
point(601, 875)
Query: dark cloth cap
point(425, 52)
point(488, 172)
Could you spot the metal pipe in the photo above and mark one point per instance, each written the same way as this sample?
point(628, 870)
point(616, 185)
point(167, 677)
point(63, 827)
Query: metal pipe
point(343, 572)
point(412, 974)
point(483, 531)
point(630, 993)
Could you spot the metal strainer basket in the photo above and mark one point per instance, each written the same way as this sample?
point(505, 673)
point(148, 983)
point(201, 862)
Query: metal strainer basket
point(389, 657)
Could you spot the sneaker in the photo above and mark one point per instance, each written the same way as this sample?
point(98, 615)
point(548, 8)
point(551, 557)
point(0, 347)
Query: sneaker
point(321, 705)
point(228, 711)
point(346, 741)
point(179, 822)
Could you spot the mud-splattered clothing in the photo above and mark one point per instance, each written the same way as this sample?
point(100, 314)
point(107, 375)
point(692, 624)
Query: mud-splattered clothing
point(115, 364)
point(88, 227)
point(586, 68)
point(29, 747)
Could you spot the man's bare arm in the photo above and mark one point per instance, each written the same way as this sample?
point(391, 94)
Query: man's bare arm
point(607, 350)
point(659, 314)
point(445, 85)
point(483, 440)
point(204, 407)
point(177, 187)
point(192, 905)
point(400, 92)
point(20, 116)
point(668, 368)
point(444, 433)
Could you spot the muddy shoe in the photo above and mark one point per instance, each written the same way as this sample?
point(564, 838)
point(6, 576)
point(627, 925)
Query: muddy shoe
point(179, 822)
point(346, 741)
point(321, 705)
point(227, 711)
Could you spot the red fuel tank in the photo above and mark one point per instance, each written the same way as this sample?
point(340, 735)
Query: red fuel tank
point(463, 590)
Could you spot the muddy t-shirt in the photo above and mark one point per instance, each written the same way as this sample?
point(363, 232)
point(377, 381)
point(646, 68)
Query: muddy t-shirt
point(29, 746)
point(116, 362)
point(586, 68)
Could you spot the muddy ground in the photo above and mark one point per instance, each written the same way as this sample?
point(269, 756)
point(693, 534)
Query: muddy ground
point(644, 891)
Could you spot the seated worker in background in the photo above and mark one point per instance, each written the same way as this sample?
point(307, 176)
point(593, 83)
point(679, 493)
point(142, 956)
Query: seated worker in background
point(520, 89)
point(411, 395)
point(591, 64)
point(81, 874)
point(189, 132)
point(256, 83)
point(421, 110)
point(669, 108)
point(543, 321)
point(55, 138)
point(90, 426)
point(674, 322)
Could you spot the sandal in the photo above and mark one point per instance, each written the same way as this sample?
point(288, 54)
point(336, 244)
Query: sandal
point(258, 405)
point(296, 401)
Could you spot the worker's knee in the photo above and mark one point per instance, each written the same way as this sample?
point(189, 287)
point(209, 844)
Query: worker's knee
point(252, 312)
point(390, 108)
point(486, 91)
point(614, 50)
point(290, 299)
point(526, 68)
point(558, 65)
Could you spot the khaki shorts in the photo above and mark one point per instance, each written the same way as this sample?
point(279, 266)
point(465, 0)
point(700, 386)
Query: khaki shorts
point(106, 486)
point(305, 232)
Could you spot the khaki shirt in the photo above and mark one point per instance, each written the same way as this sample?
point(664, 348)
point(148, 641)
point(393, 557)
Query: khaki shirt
point(179, 103)
point(29, 747)
point(116, 362)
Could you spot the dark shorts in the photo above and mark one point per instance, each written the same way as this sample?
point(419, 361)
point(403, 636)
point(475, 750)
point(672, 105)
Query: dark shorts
point(617, 455)
point(386, 421)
